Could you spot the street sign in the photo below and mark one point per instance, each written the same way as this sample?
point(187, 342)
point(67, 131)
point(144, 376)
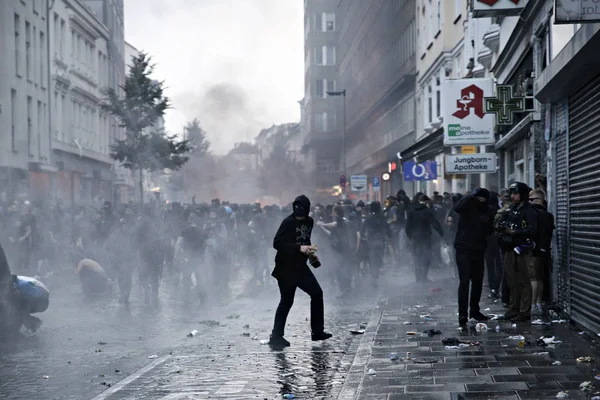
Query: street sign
point(504, 105)
point(576, 11)
point(468, 149)
point(463, 110)
point(482, 163)
point(376, 184)
point(343, 180)
point(425, 171)
point(358, 183)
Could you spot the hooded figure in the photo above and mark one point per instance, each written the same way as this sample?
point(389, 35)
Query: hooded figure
point(293, 245)
point(518, 230)
point(475, 224)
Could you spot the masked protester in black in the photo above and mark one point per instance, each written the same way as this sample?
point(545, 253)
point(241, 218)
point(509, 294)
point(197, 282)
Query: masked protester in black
point(293, 245)
point(475, 224)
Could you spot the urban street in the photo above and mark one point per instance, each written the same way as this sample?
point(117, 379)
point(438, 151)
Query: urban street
point(104, 352)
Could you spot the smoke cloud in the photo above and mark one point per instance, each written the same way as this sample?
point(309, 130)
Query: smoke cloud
point(237, 66)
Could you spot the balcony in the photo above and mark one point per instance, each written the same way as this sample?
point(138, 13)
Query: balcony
point(491, 38)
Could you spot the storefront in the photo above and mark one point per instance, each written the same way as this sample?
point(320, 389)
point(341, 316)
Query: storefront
point(571, 85)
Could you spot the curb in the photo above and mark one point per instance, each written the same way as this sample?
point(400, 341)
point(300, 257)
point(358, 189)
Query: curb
point(362, 355)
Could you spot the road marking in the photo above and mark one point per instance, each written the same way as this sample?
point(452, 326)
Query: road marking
point(120, 385)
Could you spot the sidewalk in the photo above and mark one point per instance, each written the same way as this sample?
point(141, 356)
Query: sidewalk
point(496, 369)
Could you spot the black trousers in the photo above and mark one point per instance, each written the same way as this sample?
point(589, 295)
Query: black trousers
point(422, 257)
point(287, 288)
point(493, 262)
point(471, 266)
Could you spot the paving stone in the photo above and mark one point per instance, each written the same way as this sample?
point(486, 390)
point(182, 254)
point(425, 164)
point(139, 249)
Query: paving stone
point(448, 387)
point(496, 387)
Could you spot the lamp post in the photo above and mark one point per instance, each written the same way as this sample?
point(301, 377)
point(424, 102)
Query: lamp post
point(342, 93)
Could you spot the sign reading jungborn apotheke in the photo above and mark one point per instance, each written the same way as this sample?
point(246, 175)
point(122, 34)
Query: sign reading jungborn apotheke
point(482, 163)
point(465, 120)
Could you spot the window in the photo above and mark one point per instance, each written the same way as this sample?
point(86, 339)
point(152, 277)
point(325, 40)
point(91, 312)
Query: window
point(323, 86)
point(429, 104)
point(28, 60)
point(42, 58)
point(325, 55)
point(39, 122)
point(13, 120)
point(62, 38)
point(438, 95)
point(29, 125)
point(458, 65)
point(17, 45)
point(320, 88)
point(329, 22)
point(439, 16)
point(318, 21)
point(430, 28)
point(64, 113)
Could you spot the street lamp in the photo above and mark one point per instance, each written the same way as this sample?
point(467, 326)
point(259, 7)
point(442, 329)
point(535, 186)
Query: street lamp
point(342, 93)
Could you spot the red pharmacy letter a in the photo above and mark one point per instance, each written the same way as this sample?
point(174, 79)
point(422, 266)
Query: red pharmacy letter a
point(493, 2)
point(471, 98)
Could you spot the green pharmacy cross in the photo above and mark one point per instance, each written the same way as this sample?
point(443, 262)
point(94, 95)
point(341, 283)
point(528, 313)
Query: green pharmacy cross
point(504, 105)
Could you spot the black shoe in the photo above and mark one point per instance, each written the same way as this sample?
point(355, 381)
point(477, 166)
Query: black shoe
point(494, 295)
point(463, 320)
point(522, 318)
point(321, 336)
point(478, 316)
point(511, 314)
point(278, 341)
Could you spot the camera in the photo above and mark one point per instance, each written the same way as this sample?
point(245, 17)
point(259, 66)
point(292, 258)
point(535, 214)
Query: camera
point(503, 225)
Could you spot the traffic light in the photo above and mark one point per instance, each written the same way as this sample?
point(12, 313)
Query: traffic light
point(385, 176)
point(392, 167)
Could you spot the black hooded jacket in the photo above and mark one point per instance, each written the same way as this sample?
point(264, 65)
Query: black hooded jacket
point(475, 224)
point(419, 222)
point(293, 233)
point(523, 220)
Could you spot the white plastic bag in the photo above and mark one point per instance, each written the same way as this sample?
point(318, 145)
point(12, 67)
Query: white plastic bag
point(445, 252)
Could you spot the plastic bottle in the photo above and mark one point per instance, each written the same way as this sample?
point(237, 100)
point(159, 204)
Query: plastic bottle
point(289, 396)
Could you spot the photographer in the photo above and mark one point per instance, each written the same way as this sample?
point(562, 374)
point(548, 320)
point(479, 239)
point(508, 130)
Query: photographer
point(518, 229)
point(294, 248)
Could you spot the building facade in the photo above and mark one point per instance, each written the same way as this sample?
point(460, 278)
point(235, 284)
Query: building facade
point(26, 169)
point(81, 130)
point(568, 85)
point(376, 66)
point(321, 114)
point(450, 46)
point(287, 134)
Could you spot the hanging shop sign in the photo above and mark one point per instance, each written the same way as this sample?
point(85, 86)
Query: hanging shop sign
point(465, 119)
point(497, 8)
point(504, 105)
point(576, 11)
point(482, 163)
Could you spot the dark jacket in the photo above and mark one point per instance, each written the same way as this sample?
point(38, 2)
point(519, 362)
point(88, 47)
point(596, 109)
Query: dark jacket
point(475, 224)
point(545, 229)
point(524, 220)
point(292, 233)
point(419, 222)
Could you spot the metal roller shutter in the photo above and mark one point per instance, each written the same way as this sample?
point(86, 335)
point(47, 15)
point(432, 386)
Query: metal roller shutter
point(562, 293)
point(584, 204)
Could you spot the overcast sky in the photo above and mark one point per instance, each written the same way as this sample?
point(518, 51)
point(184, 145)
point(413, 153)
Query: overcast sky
point(236, 65)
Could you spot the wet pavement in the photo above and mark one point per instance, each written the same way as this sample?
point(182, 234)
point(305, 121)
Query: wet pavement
point(100, 350)
point(498, 368)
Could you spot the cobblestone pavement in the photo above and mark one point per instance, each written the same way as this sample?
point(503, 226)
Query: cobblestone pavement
point(100, 350)
point(498, 368)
